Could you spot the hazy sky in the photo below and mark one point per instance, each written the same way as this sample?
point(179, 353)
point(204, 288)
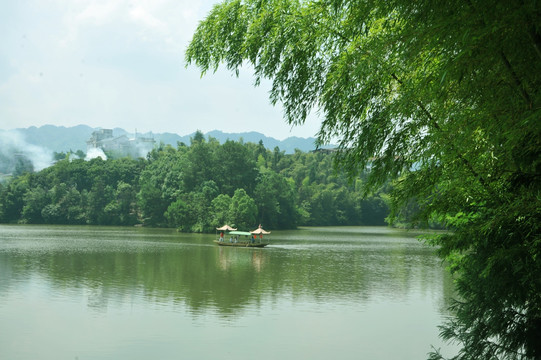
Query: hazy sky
point(120, 63)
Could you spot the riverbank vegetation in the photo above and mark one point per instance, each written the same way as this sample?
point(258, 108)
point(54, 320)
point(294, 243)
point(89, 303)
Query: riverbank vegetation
point(195, 188)
point(442, 97)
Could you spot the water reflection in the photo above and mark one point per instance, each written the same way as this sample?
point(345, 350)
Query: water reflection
point(348, 263)
point(337, 274)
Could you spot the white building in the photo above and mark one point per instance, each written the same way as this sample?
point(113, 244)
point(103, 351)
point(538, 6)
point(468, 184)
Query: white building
point(120, 146)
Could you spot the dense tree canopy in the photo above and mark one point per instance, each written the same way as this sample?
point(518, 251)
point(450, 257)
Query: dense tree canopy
point(193, 188)
point(444, 98)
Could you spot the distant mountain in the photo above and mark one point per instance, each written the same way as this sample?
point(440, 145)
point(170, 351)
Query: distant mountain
point(58, 138)
point(289, 144)
point(63, 139)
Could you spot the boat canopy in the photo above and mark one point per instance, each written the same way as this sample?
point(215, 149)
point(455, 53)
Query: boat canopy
point(226, 228)
point(240, 233)
point(259, 231)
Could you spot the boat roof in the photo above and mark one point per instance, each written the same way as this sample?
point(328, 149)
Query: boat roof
point(240, 233)
point(260, 231)
point(226, 228)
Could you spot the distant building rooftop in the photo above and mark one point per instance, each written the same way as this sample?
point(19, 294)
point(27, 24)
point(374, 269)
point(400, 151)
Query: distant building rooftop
point(120, 146)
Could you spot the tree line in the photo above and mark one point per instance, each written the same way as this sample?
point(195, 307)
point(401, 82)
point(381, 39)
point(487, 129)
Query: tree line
point(194, 188)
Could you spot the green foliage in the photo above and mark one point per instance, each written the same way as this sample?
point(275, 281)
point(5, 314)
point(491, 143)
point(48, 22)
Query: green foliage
point(444, 99)
point(12, 198)
point(236, 168)
point(180, 215)
point(23, 165)
point(34, 201)
point(243, 209)
point(276, 201)
point(220, 209)
point(192, 188)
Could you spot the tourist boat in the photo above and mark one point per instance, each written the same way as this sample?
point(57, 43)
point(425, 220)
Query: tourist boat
point(241, 238)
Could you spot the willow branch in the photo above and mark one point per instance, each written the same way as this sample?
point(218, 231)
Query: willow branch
point(436, 126)
point(516, 79)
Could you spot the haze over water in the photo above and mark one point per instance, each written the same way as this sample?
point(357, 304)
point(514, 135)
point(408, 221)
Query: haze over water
point(136, 293)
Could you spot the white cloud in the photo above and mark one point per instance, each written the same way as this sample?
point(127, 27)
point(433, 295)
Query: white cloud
point(166, 22)
point(96, 12)
point(120, 63)
point(141, 15)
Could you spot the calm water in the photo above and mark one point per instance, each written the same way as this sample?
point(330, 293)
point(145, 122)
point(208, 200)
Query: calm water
point(134, 293)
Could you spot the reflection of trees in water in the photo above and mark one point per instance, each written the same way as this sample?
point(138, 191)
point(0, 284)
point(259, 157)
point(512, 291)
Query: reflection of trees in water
point(235, 257)
point(231, 279)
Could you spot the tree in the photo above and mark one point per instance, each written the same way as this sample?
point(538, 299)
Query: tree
point(220, 210)
point(201, 164)
point(73, 207)
point(23, 165)
point(236, 166)
point(121, 210)
point(34, 201)
point(243, 210)
point(198, 138)
point(444, 98)
point(160, 184)
point(275, 199)
point(202, 202)
point(180, 214)
point(52, 214)
point(12, 199)
point(98, 198)
point(151, 201)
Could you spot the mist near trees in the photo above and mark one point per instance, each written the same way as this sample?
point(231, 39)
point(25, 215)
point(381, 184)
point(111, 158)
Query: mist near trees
point(18, 155)
point(194, 188)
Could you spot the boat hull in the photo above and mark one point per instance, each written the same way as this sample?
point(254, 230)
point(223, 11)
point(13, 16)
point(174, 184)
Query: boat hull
point(240, 244)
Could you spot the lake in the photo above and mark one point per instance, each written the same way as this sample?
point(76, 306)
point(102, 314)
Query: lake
point(76, 292)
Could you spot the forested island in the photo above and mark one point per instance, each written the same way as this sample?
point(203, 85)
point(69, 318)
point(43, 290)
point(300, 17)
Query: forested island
point(194, 188)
